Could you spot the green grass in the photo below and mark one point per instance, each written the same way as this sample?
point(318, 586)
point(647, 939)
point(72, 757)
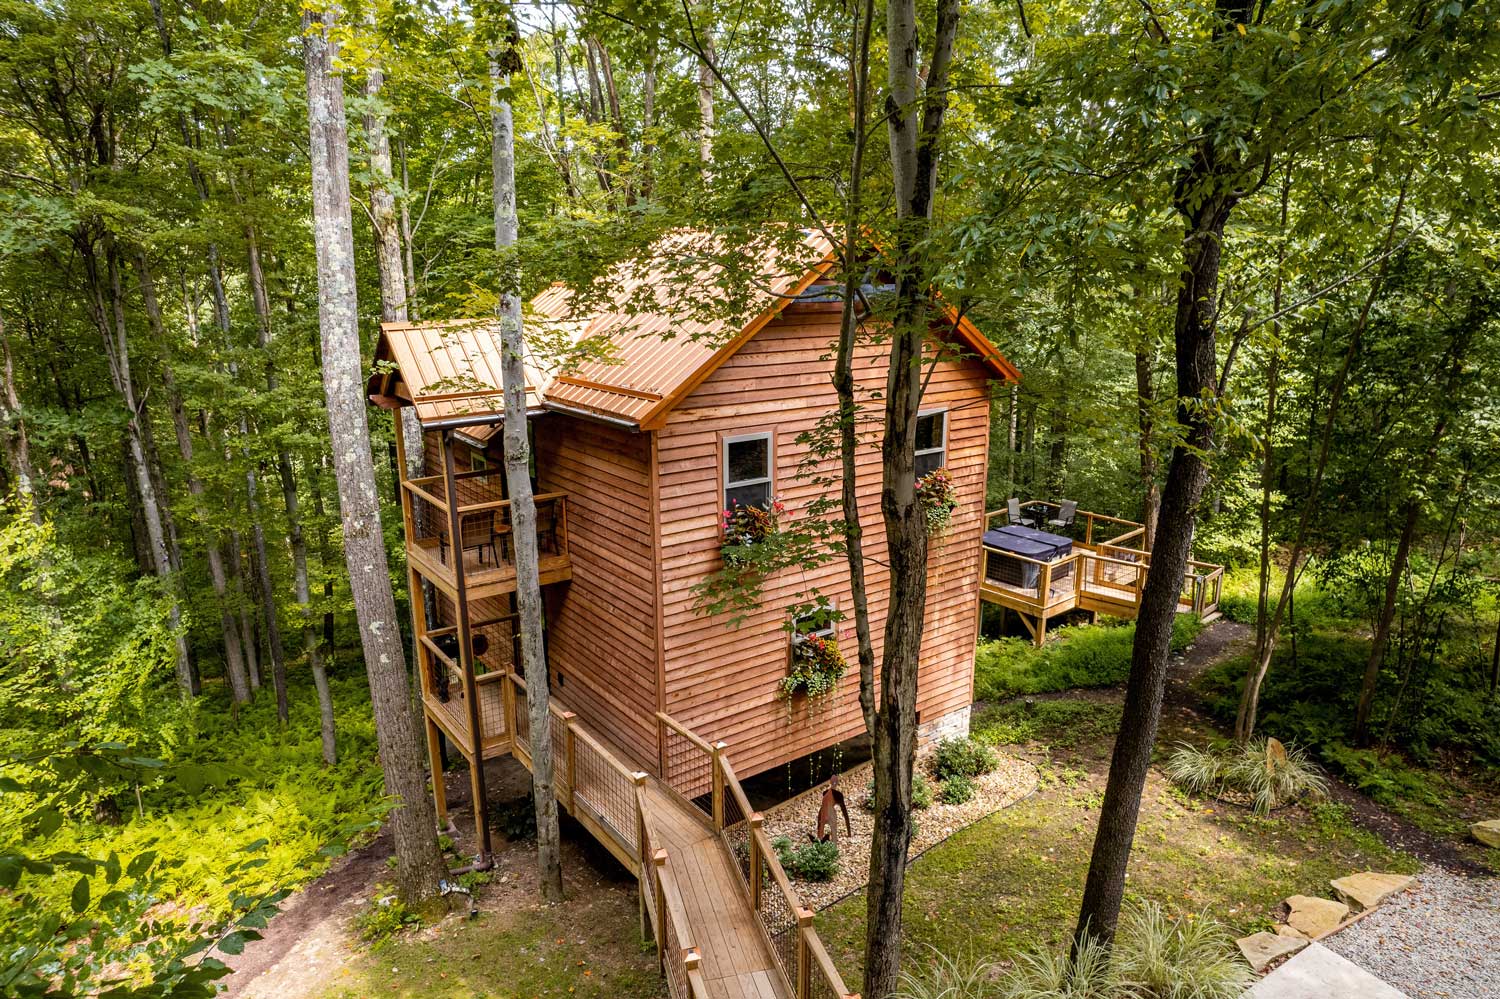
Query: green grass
point(1083, 656)
point(1013, 880)
point(585, 948)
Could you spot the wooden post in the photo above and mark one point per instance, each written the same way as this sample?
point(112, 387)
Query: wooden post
point(718, 785)
point(435, 756)
point(466, 658)
point(1046, 591)
point(562, 522)
point(757, 863)
point(804, 955)
point(1088, 528)
point(659, 863)
point(570, 747)
point(508, 708)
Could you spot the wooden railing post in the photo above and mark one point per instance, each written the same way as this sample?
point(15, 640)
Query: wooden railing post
point(1088, 528)
point(757, 862)
point(659, 863)
point(718, 785)
point(508, 709)
point(570, 749)
point(804, 956)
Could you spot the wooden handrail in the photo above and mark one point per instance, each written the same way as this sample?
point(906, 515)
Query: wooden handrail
point(732, 786)
point(410, 485)
point(685, 732)
point(502, 503)
point(822, 964)
point(773, 864)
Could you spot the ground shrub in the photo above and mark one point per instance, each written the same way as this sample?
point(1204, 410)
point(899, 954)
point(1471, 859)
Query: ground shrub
point(1270, 774)
point(516, 819)
point(921, 793)
point(1082, 656)
point(962, 757)
point(810, 861)
point(956, 790)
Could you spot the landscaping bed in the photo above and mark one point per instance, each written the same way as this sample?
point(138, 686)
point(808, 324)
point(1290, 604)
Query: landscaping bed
point(1011, 780)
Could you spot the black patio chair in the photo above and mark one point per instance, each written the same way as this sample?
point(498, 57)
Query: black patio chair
point(1013, 507)
point(1066, 515)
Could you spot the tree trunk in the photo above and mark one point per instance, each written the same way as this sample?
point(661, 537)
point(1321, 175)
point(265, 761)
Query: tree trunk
point(1268, 430)
point(522, 503)
point(419, 865)
point(706, 88)
point(914, 121)
point(117, 352)
point(648, 118)
point(265, 591)
point(13, 426)
point(248, 643)
point(1145, 392)
point(1245, 718)
point(393, 293)
point(843, 370)
point(1203, 198)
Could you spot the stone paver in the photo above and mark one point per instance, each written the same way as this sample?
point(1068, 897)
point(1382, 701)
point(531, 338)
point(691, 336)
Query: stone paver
point(1319, 973)
point(1369, 889)
point(1311, 917)
point(1260, 949)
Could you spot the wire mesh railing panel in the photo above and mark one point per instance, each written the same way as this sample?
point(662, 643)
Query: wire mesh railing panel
point(736, 831)
point(777, 908)
point(606, 789)
point(690, 766)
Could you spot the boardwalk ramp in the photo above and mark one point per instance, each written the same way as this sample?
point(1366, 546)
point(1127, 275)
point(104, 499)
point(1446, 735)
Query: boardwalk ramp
point(726, 920)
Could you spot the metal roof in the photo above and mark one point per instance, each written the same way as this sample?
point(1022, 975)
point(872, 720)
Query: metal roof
point(631, 346)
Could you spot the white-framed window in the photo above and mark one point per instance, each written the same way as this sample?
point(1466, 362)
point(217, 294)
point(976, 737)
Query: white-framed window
point(932, 441)
point(749, 464)
point(819, 618)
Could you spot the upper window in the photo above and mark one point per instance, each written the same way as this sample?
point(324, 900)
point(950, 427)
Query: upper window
point(479, 462)
point(932, 441)
point(747, 470)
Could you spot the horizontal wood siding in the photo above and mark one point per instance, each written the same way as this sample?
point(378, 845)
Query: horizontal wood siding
point(722, 681)
point(602, 625)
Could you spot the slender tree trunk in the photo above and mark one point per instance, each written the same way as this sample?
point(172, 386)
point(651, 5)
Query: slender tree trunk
point(1204, 200)
point(265, 591)
point(843, 371)
point(13, 426)
point(407, 261)
point(1411, 512)
point(393, 293)
point(648, 118)
point(1268, 431)
point(117, 352)
point(706, 88)
point(419, 865)
point(1244, 724)
point(522, 504)
point(248, 642)
point(914, 120)
point(1145, 391)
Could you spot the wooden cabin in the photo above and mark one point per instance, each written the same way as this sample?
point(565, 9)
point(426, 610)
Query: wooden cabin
point(680, 406)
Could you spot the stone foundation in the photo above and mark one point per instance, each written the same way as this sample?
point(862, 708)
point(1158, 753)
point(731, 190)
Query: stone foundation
point(953, 725)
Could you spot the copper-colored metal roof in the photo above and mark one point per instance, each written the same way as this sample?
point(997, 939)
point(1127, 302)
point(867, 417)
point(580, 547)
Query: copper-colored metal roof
point(450, 371)
point(630, 347)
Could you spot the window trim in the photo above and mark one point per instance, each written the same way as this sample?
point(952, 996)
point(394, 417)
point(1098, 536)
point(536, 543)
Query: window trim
point(769, 436)
point(943, 447)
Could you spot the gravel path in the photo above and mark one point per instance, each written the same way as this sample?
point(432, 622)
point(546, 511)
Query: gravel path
point(1438, 940)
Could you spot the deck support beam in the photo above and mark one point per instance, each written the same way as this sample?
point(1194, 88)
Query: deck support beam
point(475, 751)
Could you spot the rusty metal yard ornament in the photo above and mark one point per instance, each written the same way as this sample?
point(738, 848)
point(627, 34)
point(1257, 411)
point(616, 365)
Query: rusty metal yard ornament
point(828, 827)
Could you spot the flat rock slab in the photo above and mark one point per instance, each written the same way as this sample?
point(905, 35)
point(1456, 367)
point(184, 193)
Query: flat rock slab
point(1487, 832)
point(1260, 949)
point(1312, 917)
point(1319, 973)
point(1369, 889)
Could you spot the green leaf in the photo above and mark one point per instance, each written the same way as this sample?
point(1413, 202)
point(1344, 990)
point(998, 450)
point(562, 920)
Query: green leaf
point(80, 900)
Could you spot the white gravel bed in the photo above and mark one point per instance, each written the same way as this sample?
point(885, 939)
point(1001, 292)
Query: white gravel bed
point(1440, 939)
point(796, 818)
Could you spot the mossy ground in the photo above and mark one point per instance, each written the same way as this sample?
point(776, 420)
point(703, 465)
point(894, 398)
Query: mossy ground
point(1012, 881)
point(586, 947)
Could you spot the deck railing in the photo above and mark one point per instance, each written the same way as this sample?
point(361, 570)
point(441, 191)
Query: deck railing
point(698, 770)
point(484, 523)
point(661, 899)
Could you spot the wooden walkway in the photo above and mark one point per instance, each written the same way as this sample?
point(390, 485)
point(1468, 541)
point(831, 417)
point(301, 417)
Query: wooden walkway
point(736, 959)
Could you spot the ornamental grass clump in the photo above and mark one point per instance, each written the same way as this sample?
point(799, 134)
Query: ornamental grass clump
point(1189, 958)
point(1264, 771)
point(939, 498)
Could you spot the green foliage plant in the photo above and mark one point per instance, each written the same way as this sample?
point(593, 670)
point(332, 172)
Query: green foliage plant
point(947, 977)
point(956, 790)
point(1078, 656)
point(816, 861)
point(1188, 958)
point(921, 793)
point(384, 917)
point(1268, 773)
point(963, 756)
point(816, 667)
point(939, 498)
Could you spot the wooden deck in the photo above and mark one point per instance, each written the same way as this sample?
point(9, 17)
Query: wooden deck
point(1104, 574)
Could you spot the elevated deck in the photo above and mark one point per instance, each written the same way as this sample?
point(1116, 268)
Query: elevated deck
point(1104, 574)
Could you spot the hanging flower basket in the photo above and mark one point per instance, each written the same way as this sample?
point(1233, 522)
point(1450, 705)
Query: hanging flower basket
point(939, 498)
point(746, 527)
point(816, 667)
